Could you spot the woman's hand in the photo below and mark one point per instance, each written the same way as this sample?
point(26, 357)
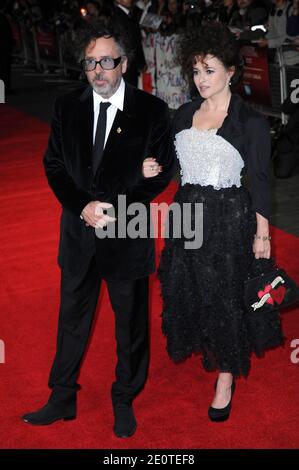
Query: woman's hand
point(150, 168)
point(261, 248)
point(261, 245)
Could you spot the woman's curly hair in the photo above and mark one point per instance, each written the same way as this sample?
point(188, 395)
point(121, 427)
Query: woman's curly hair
point(210, 38)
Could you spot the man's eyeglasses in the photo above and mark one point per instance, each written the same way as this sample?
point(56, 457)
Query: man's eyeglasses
point(107, 63)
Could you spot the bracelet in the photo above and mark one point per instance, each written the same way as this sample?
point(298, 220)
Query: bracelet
point(264, 238)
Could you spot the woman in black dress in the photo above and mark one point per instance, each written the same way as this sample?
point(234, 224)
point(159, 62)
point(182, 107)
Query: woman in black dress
point(218, 139)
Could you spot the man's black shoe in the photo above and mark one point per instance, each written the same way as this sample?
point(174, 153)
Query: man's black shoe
point(124, 420)
point(48, 415)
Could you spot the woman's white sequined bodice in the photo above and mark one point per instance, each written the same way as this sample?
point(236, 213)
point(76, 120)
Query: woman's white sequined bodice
point(208, 159)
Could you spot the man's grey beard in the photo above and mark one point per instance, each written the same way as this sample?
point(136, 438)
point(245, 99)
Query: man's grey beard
point(107, 90)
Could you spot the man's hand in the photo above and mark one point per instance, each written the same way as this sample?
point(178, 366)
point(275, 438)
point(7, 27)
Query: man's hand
point(93, 214)
point(150, 167)
point(104, 219)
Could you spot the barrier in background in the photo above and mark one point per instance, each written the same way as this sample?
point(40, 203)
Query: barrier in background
point(255, 85)
point(149, 83)
point(47, 44)
point(17, 35)
point(264, 85)
point(43, 49)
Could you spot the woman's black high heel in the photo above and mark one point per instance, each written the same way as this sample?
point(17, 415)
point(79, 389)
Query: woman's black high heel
point(222, 414)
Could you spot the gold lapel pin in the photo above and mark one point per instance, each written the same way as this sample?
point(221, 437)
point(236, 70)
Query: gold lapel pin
point(118, 130)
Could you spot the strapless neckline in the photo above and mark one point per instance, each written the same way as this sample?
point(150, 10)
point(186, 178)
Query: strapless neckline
point(205, 130)
point(206, 158)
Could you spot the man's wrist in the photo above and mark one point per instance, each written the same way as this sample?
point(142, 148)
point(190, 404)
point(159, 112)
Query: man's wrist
point(262, 237)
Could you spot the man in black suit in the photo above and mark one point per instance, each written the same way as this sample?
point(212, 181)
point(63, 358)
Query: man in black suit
point(123, 15)
point(99, 140)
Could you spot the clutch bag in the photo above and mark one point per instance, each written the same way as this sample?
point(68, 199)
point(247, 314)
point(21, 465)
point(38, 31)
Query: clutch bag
point(269, 288)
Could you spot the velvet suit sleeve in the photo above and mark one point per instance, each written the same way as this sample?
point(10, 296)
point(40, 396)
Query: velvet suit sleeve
point(62, 184)
point(258, 155)
point(160, 148)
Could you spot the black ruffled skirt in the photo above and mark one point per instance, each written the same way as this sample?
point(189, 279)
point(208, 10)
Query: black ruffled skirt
point(203, 289)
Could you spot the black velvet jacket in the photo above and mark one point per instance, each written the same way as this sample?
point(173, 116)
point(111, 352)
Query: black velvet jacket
point(249, 132)
point(141, 130)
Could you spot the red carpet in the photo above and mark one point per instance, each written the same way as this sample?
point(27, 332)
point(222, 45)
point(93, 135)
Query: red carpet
point(172, 410)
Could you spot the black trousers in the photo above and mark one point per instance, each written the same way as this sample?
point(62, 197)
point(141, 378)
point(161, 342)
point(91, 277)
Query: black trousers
point(79, 295)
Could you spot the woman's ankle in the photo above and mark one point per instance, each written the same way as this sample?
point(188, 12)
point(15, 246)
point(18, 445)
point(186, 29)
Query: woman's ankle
point(225, 378)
